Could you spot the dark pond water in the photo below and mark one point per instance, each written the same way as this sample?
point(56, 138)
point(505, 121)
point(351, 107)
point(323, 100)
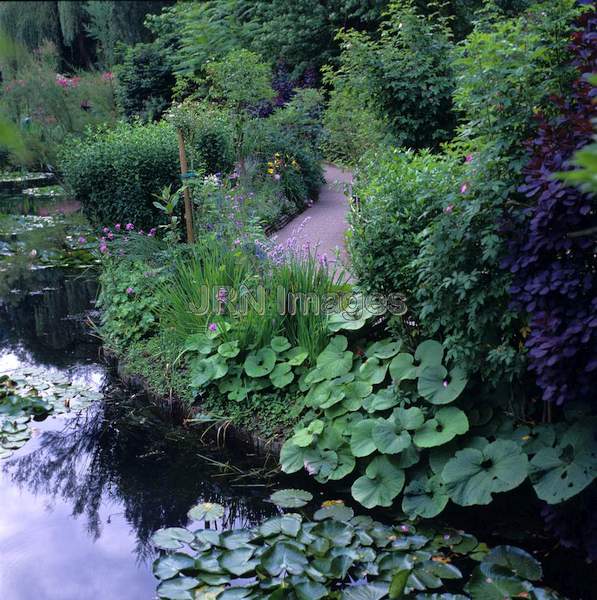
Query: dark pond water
point(79, 501)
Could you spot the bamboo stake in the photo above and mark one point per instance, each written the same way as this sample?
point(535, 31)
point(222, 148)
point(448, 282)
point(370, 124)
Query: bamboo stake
point(184, 169)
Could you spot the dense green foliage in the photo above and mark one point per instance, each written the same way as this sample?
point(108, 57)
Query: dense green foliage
point(144, 82)
point(335, 554)
point(402, 75)
point(116, 173)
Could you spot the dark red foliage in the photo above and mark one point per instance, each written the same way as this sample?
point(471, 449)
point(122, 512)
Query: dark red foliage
point(553, 256)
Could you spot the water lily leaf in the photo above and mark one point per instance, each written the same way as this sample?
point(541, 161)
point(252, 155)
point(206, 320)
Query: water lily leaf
point(260, 363)
point(284, 558)
point(292, 457)
point(178, 588)
point(238, 561)
point(282, 375)
point(429, 353)
point(208, 511)
point(473, 475)
point(280, 344)
point(389, 437)
point(229, 349)
point(562, 472)
point(382, 400)
point(291, 498)
point(373, 371)
point(368, 591)
point(361, 437)
point(482, 587)
point(384, 349)
point(235, 538)
point(170, 565)
point(296, 356)
point(424, 497)
point(172, 538)
point(288, 525)
point(335, 360)
point(439, 387)
point(235, 593)
point(382, 482)
point(516, 561)
point(402, 367)
point(337, 511)
point(310, 590)
point(445, 426)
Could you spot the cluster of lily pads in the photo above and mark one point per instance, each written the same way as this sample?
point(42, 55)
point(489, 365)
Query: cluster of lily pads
point(336, 555)
point(30, 393)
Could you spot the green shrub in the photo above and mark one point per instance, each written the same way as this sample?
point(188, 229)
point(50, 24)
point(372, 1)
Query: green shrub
point(144, 82)
point(115, 174)
point(398, 193)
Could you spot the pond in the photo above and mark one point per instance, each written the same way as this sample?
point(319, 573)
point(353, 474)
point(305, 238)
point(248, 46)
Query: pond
point(82, 497)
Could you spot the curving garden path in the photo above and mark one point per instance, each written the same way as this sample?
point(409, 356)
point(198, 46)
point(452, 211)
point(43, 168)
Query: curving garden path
point(325, 222)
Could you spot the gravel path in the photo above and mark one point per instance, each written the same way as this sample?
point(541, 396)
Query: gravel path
point(326, 220)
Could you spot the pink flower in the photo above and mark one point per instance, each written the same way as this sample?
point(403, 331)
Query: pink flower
point(213, 327)
point(106, 230)
point(141, 232)
point(108, 76)
point(110, 235)
point(449, 208)
point(469, 158)
point(82, 240)
point(117, 226)
point(222, 295)
point(129, 227)
point(129, 291)
point(464, 188)
point(152, 232)
point(103, 248)
point(237, 242)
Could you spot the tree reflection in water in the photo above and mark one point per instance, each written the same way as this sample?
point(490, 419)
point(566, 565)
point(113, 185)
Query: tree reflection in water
point(122, 453)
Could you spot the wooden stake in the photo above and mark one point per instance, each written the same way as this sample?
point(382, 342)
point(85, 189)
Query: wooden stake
point(184, 169)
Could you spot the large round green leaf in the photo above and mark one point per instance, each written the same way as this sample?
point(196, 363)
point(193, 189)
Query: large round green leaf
point(260, 363)
point(170, 565)
point(178, 588)
point(238, 561)
point(473, 475)
point(440, 387)
point(429, 354)
point(295, 356)
point(445, 426)
point(424, 497)
point(206, 511)
point(402, 367)
point(292, 457)
point(384, 349)
point(382, 400)
point(361, 437)
point(291, 498)
point(409, 418)
point(390, 437)
point(282, 375)
point(172, 538)
point(280, 344)
point(382, 482)
point(335, 360)
point(373, 371)
point(282, 558)
point(562, 472)
point(304, 437)
point(229, 349)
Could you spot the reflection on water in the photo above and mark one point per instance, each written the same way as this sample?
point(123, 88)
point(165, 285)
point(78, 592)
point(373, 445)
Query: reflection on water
point(78, 503)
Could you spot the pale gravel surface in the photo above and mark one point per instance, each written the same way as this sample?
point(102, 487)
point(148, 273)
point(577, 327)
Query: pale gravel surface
point(326, 221)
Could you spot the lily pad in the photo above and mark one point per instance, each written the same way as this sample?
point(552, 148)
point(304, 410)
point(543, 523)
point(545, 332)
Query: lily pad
point(382, 482)
point(473, 475)
point(260, 363)
point(284, 558)
point(445, 426)
point(291, 498)
point(170, 565)
point(207, 511)
point(178, 588)
point(424, 497)
point(440, 387)
point(172, 538)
